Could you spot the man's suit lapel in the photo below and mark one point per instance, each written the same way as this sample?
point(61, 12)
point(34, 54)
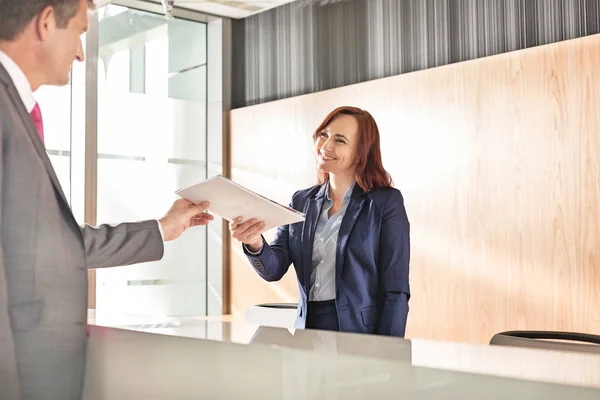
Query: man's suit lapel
point(355, 206)
point(32, 132)
point(313, 211)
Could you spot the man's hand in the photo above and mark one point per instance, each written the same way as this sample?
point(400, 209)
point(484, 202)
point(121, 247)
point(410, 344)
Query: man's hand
point(182, 215)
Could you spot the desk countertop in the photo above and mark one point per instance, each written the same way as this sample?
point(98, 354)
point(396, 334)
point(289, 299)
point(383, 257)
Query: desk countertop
point(563, 368)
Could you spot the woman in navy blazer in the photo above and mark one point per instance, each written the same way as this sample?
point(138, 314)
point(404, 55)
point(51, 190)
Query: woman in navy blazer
point(352, 252)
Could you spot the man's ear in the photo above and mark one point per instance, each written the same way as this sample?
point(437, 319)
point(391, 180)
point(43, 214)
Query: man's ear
point(45, 23)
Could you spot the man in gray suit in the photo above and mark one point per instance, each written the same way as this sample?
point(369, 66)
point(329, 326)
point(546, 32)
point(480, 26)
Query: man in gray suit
point(44, 253)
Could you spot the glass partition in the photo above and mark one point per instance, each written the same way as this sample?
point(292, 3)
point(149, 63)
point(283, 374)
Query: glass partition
point(151, 142)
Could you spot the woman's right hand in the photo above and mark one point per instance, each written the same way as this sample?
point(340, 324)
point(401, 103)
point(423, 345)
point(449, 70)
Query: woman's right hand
point(248, 233)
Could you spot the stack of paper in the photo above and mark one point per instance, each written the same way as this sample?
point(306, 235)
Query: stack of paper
point(230, 200)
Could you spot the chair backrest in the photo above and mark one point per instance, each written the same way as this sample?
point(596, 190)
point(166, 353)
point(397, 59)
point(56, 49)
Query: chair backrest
point(548, 340)
point(280, 306)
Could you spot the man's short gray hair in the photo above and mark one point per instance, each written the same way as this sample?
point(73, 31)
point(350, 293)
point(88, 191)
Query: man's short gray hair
point(16, 14)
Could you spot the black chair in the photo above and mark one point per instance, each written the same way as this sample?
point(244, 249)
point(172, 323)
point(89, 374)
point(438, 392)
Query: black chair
point(279, 306)
point(548, 340)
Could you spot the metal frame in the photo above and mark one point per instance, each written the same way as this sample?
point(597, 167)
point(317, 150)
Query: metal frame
point(91, 140)
point(178, 12)
point(226, 90)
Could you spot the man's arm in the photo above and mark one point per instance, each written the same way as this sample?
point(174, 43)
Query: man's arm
point(132, 243)
point(123, 244)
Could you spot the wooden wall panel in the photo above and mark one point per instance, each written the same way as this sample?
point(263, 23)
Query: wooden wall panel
point(497, 159)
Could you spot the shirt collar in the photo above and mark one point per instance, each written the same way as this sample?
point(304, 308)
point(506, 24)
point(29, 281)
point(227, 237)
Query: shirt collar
point(347, 195)
point(19, 80)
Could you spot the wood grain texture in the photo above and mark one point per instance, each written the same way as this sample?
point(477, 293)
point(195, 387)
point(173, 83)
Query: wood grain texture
point(92, 289)
point(497, 159)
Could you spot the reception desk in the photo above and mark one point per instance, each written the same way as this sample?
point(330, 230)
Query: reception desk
point(218, 359)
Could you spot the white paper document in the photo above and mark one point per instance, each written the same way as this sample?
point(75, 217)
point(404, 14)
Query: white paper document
point(230, 200)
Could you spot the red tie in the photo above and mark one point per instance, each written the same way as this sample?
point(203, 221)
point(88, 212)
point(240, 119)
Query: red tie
point(36, 116)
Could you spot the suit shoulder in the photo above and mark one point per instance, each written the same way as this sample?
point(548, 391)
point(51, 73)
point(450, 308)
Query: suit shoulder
point(304, 194)
point(391, 202)
point(386, 195)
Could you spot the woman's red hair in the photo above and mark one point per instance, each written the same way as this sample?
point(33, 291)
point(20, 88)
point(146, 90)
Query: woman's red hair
point(370, 173)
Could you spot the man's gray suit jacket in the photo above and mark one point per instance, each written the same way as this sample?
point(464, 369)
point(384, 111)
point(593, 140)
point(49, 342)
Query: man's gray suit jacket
point(44, 259)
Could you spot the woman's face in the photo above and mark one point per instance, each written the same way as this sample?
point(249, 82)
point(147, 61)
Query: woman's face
point(336, 146)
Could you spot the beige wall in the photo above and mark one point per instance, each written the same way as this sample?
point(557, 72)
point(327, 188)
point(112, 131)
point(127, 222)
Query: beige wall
point(497, 159)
